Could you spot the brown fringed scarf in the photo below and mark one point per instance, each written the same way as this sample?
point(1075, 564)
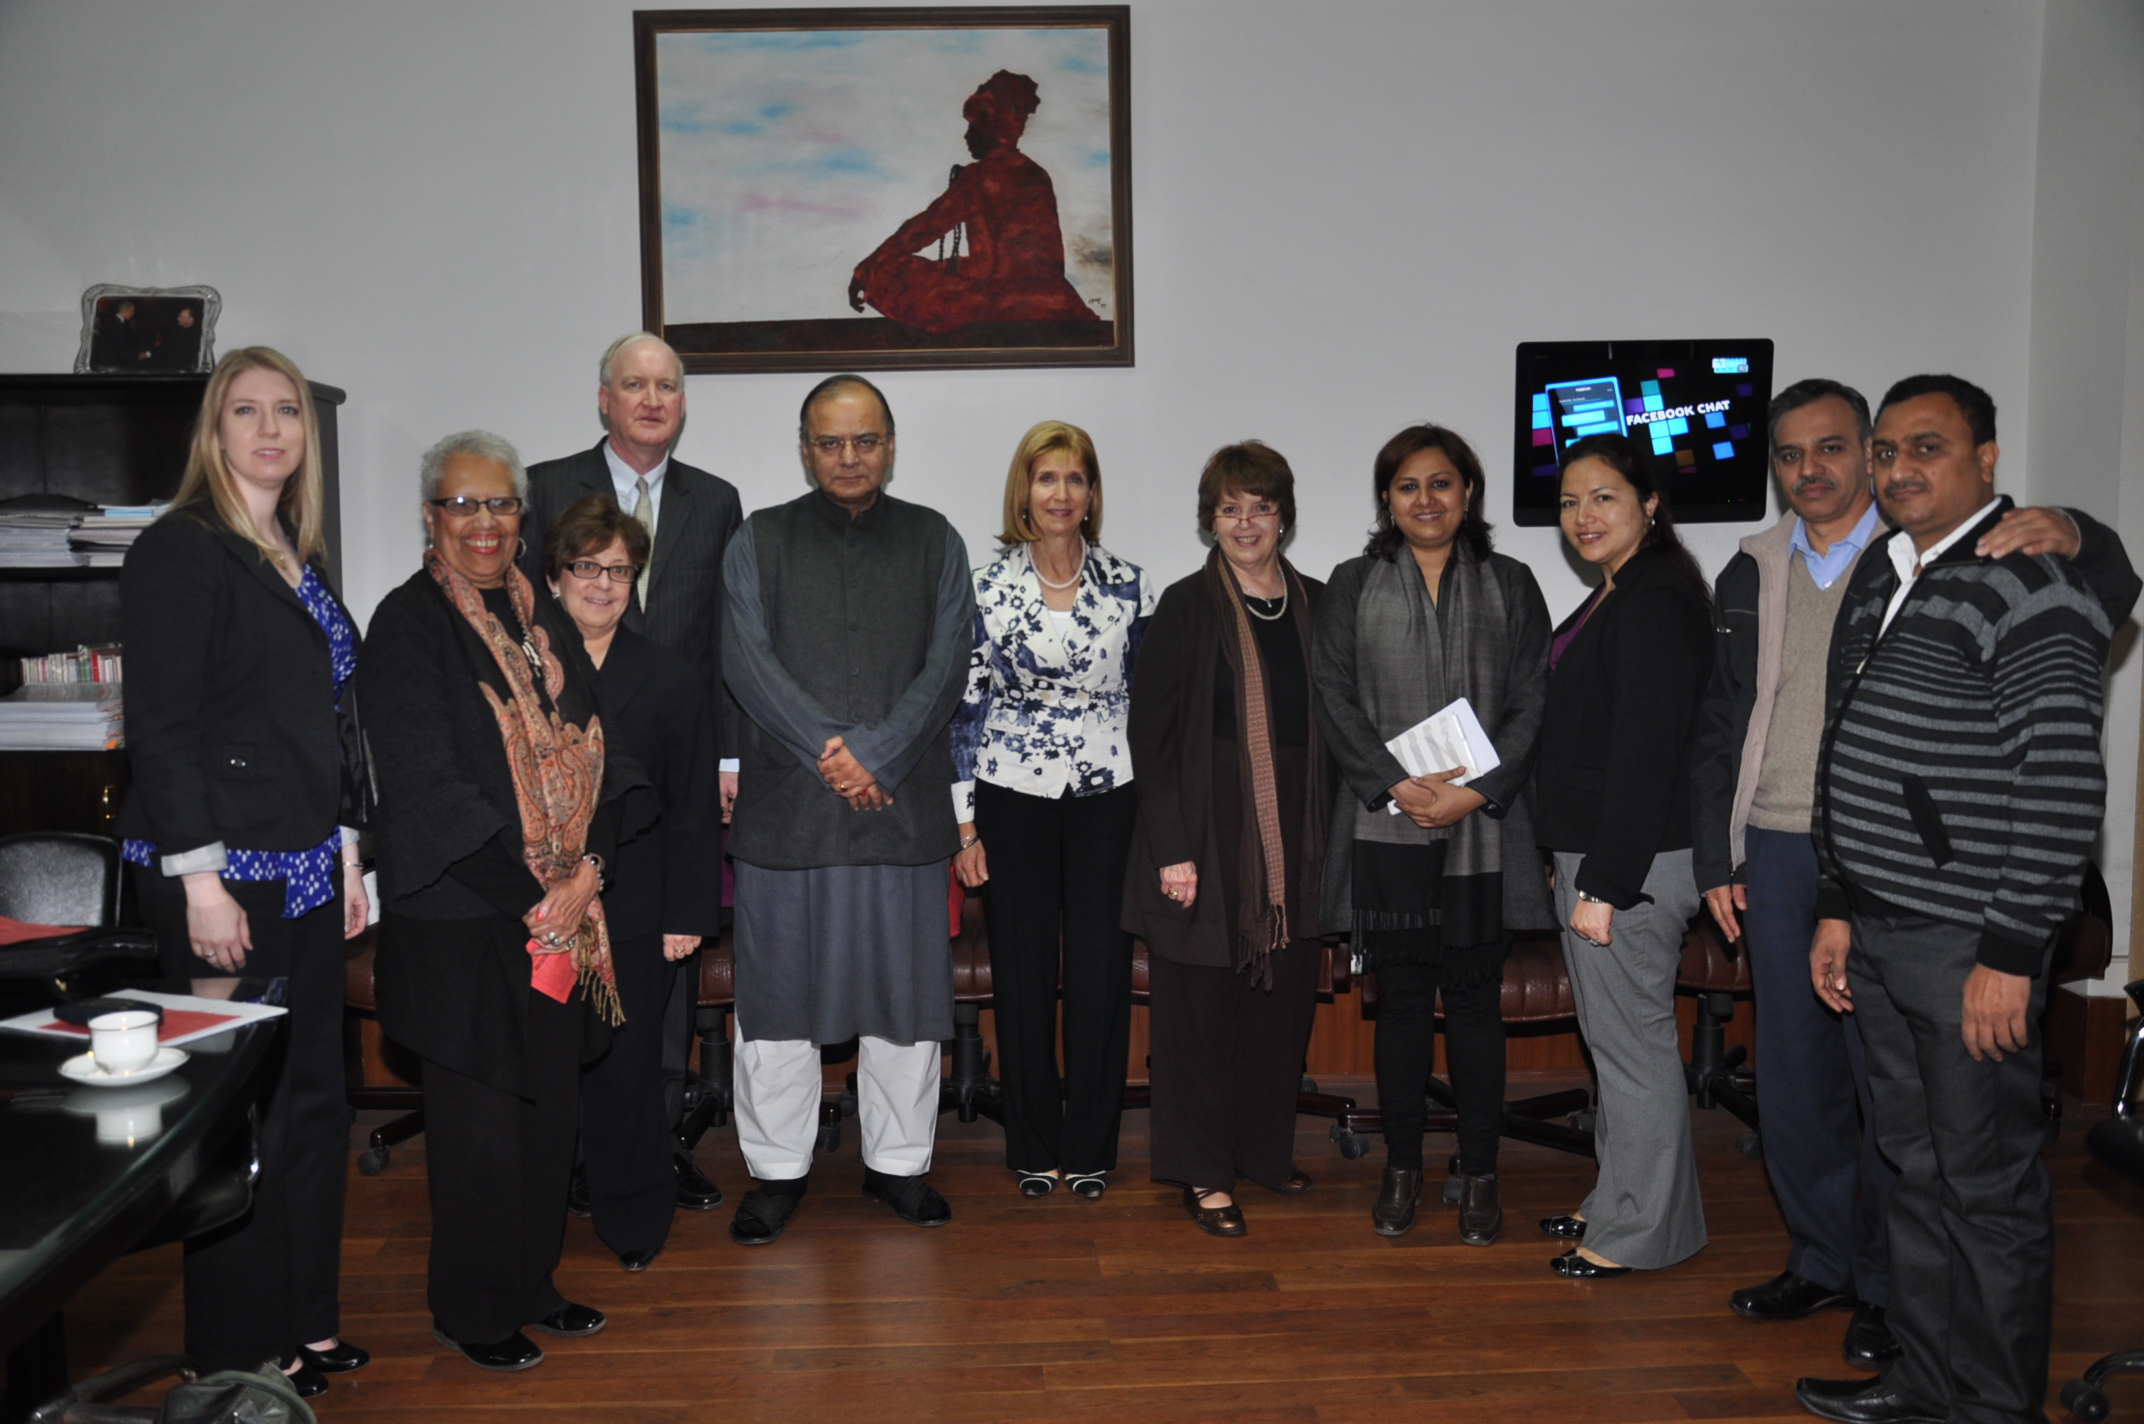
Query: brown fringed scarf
point(557, 767)
point(1262, 874)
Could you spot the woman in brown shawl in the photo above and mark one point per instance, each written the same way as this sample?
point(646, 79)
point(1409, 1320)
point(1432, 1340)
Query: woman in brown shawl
point(499, 808)
point(1230, 845)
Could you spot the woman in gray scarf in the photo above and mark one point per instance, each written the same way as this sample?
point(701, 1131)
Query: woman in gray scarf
point(1428, 875)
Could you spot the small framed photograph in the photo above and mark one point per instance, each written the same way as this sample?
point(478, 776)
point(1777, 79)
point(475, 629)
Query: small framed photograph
point(150, 330)
point(881, 188)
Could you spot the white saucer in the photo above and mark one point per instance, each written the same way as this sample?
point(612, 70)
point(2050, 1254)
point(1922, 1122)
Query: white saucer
point(84, 1069)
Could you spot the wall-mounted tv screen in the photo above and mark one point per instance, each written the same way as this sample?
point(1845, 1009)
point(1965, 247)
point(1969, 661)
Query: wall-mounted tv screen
point(1696, 406)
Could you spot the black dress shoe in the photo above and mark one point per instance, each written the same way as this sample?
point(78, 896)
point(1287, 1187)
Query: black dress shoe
point(344, 1358)
point(694, 1191)
point(1869, 1340)
point(1298, 1183)
point(307, 1381)
point(577, 1201)
point(1397, 1196)
point(638, 1261)
point(516, 1352)
point(762, 1217)
point(1574, 1267)
point(1481, 1210)
point(1860, 1401)
point(913, 1199)
point(1214, 1220)
point(1564, 1228)
point(571, 1320)
point(1788, 1297)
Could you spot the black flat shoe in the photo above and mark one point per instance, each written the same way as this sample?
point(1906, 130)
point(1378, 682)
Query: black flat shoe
point(344, 1358)
point(516, 1352)
point(913, 1199)
point(1574, 1267)
point(762, 1217)
point(694, 1191)
point(638, 1261)
point(1398, 1194)
point(577, 1201)
point(1298, 1183)
point(1564, 1228)
point(1788, 1297)
point(1087, 1186)
point(1869, 1340)
point(1860, 1401)
point(571, 1320)
point(1214, 1220)
point(1037, 1184)
point(307, 1381)
point(1481, 1210)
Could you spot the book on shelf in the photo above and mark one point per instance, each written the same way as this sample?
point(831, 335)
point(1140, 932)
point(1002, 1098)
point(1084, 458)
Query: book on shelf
point(62, 716)
point(84, 664)
point(52, 531)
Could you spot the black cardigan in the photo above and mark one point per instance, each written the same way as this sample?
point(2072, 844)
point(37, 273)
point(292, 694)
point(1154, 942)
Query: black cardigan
point(667, 880)
point(1613, 781)
point(1171, 735)
point(452, 971)
point(232, 729)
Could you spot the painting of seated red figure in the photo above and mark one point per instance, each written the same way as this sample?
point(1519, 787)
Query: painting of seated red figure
point(886, 187)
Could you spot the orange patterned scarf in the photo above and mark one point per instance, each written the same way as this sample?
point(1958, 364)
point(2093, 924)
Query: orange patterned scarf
point(557, 767)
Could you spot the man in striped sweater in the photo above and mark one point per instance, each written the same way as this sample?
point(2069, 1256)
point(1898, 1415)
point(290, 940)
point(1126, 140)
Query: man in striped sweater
point(1958, 790)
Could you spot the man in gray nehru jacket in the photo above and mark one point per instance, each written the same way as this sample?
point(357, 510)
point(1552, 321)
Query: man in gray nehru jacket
point(1958, 788)
point(1754, 779)
point(846, 647)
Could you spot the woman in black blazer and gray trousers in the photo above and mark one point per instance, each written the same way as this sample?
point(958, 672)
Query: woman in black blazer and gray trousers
point(249, 786)
point(1612, 802)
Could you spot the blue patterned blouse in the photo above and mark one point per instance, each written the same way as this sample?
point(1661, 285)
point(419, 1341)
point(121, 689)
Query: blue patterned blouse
point(308, 876)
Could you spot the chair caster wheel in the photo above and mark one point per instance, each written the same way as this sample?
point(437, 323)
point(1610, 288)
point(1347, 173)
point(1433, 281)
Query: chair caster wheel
point(1583, 1120)
point(1310, 1084)
point(2084, 1401)
point(830, 1138)
point(372, 1161)
point(1750, 1145)
point(1352, 1144)
point(1451, 1191)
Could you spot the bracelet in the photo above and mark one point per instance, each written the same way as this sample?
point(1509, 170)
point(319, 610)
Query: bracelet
point(971, 840)
point(1591, 899)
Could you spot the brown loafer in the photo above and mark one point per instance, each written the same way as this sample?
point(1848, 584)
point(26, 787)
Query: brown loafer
point(1214, 1220)
point(1397, 1197)
point(1298, 1183)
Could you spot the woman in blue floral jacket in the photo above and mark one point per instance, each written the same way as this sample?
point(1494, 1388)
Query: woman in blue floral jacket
point(1043, 792)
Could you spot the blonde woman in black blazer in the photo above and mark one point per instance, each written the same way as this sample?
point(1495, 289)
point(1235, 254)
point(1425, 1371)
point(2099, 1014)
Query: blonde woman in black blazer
point(248, 790)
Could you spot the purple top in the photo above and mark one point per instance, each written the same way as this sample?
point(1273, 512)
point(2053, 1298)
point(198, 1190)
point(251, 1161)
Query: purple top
point(1563, 639)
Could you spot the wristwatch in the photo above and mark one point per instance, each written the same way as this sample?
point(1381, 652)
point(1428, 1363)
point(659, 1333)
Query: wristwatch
point(602, 875)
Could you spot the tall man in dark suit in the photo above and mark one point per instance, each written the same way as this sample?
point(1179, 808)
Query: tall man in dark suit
point(677, 602)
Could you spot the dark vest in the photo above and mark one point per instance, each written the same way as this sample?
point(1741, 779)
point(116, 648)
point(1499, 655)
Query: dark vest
point(849, 606)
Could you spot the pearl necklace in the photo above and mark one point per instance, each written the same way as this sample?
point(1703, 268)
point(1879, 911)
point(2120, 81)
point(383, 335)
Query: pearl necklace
point(1072, 582)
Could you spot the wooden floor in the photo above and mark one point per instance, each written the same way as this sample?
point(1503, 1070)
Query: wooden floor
point(1024, 1310)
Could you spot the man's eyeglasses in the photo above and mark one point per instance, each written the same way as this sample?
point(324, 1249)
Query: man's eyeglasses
point(830, 445)
point(588, 571)
point(461, 506)
point(1247, 514)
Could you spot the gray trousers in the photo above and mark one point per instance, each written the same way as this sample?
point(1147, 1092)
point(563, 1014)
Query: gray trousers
point(1972, 1219)
point(1644, 1210)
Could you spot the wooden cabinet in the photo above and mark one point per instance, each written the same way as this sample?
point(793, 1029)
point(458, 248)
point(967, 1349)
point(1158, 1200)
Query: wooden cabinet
point(107, 440)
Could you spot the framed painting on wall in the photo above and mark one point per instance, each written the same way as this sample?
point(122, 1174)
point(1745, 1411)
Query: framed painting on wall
point(879, 188)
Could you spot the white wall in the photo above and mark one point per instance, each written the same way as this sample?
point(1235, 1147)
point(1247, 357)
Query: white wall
point(1346, 215)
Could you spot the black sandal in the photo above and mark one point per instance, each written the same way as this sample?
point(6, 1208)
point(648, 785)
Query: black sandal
point(1037, 1184)
point(1087, 1186)
point(761, 1218)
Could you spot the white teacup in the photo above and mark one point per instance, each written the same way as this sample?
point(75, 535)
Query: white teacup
point(123, 1042)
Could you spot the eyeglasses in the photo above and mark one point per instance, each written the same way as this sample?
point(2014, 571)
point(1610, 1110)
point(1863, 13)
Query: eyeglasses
point(589, 571)
point(1251, 515)
point(461, 506)
point(830, 445)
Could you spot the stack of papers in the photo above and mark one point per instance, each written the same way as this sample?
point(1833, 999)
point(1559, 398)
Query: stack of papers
point(1452, 736)
point(34, 530)
point(61, 716)
point(104, 536)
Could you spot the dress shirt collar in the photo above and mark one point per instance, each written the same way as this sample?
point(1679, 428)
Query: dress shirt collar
point(1905, 558)
point(1825, 568)
point(623, 476)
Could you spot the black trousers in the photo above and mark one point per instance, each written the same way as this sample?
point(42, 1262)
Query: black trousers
point(1972, 1220)
point(1407, 1050)
point(497, 1165)
point(625, 1123)
point(1227, 1065)
point(1833, 1186)
point(1056, 877)
point(268, 1283)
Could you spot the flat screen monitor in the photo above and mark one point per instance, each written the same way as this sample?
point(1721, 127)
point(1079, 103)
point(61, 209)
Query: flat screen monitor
point(1697, 407)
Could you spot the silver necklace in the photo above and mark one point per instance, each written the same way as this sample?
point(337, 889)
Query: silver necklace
point(1072, 582)
point(1250, 599)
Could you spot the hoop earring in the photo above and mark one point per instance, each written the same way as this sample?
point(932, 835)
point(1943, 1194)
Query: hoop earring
point(521, 548)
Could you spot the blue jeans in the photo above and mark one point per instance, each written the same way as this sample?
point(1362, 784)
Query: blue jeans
point(1812, 1084)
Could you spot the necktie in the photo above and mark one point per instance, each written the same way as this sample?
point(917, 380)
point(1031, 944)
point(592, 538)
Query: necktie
point(644, 511)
